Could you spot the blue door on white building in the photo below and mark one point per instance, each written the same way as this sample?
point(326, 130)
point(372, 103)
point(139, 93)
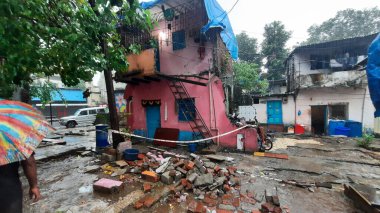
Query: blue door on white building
point(274, 112)
point(153, 120)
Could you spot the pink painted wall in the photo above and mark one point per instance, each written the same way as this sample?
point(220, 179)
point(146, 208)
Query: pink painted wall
point(160, 90)
point(185, 61)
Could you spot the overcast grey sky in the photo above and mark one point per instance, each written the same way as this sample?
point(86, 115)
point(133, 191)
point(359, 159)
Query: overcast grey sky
point(297, 15)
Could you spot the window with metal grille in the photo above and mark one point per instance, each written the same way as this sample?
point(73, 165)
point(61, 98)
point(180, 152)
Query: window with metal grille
point(179, 40)
point(186, 109)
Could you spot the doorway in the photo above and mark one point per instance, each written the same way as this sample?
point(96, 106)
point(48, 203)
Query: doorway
point(153, 120)
point(274, 112)
point(319, 119)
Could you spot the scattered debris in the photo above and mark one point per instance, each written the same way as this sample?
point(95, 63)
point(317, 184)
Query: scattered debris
point(51, 142)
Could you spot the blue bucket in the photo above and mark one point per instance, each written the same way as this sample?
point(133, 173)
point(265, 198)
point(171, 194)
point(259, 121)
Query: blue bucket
point(101, 135)
point(130, 154)
point(192, 147)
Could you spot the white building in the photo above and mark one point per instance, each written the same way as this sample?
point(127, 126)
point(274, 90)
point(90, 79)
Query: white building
point(323, 83)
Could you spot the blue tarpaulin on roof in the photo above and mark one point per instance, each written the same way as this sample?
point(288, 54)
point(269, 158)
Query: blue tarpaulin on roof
point(70, 95)
point(218, 18)
point(373, 73)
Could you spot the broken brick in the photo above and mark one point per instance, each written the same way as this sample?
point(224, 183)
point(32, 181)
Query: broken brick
point(231, 169)
point(236, 202)
point(140, 156)
point(216, 168)
point(150, 176)
point(224, 211)
point(147, 187)
point(189, 185)
point(190, 165)
point(256, 211)
point(139, 163)
point(183, 181)
point(181, 170)
point(149, 201)
point(131, 163)
point(277, 209)
point(178, 164)
point(192, 206)
point(210, 201)
point(226, 187)
point(139, 205)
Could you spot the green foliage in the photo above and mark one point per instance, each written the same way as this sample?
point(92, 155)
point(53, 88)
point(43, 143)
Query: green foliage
point(347, 23)
point(45, 91)
point(274, 50)
point(63, 37)
point(135, 48)
point(366, 141)
point(248, 48)
point(247, 77)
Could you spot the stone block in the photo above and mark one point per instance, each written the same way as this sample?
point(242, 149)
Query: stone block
point(204, 180)
point(192, 177)
point(166, 178)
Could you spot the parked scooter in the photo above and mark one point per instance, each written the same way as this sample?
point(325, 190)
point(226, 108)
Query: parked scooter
point(264, 138)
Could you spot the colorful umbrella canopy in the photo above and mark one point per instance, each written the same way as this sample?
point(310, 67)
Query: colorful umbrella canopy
point(22, 128)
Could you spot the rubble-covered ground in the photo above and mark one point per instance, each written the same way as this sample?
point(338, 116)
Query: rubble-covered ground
point(238, 183)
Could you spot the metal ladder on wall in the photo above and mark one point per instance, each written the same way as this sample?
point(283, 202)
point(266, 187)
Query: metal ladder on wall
point(190, 112)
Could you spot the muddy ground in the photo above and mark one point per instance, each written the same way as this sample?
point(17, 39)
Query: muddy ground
point(65, 188)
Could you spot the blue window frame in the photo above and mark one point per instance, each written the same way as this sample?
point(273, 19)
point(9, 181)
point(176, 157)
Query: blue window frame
point(179, 40)
point(186, 109)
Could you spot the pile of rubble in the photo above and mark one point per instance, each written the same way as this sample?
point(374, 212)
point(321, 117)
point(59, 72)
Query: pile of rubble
point(213, 188)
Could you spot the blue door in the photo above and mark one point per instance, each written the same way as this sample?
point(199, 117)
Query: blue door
point(274, 112)
point(153, 120)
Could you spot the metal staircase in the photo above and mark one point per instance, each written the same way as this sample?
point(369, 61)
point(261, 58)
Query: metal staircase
point(190, 112)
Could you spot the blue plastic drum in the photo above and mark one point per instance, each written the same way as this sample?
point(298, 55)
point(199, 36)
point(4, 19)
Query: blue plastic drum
point(101, 136)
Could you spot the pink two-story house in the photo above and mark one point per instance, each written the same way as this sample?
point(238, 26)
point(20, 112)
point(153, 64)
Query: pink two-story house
point(183, 77)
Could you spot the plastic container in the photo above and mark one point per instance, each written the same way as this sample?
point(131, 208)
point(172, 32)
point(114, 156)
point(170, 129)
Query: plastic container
point(299, 129)
point(356, 128)
point(341, 130)
point(334, 124)
point(192, 147)
point(131, 154)
point(101, 136)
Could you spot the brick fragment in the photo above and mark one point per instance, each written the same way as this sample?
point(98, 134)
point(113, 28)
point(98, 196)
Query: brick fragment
point(226, 188)
point(183, 181)
point(210, 201)
point(190, 165)
point(150, 176)
point(140, 156)
point(217, 168)
point(149, 201)
point(147, 187)
point(179, 164)
point(139, 205)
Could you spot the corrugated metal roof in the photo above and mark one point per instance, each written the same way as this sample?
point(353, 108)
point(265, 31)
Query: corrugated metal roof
point(70, 95)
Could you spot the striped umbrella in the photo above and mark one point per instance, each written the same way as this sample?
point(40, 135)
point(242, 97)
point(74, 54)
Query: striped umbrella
point(22, 128)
